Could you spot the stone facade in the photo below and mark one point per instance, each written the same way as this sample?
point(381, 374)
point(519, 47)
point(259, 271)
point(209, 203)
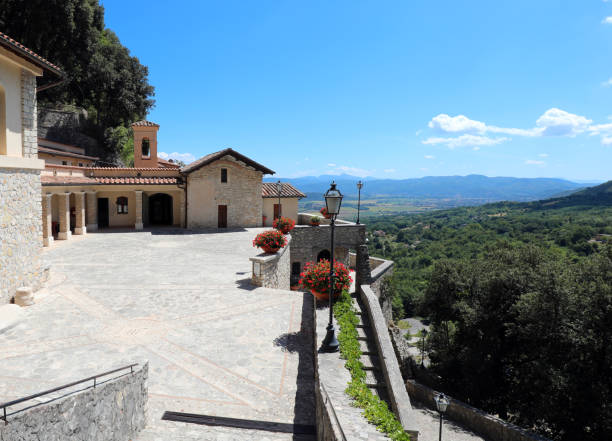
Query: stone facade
point(112, 411)
point(241, 194)
point(20, 231)
point(272, 270)
point(28, 115)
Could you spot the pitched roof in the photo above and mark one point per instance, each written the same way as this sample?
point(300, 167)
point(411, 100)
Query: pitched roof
point(167, 164)
point(29, 55)
point(205, 160)
point(144, 123)
point(268, 190)
point(58, 152)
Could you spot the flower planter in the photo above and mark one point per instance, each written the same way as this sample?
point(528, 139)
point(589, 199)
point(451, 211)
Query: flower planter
point(269, 250)
point(315, 224)
point(323, 295)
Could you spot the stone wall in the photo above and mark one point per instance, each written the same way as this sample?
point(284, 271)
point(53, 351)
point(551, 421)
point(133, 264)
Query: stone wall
point(272, 270)
point(20, 231)
point(241, 193)
point(112, 411)
point(480, 422)
point(29, 125)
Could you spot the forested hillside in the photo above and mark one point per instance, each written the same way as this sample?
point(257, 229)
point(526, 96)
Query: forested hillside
point(102, 76)
point(519, 296)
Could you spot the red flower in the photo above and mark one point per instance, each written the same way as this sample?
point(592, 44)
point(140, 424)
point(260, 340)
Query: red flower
point(271, 239)
point(284, 224)
point(316, 276)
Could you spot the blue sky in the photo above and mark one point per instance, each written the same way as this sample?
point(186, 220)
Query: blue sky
point(391, 89)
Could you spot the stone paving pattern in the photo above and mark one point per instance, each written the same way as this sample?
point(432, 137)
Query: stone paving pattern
point(183, 301)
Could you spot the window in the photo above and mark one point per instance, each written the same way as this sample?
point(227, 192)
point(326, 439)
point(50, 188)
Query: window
point(146, 147)
point(122, 205)
point(295, 269)
point(64, 162)
point(223, 175)
point(80, 164)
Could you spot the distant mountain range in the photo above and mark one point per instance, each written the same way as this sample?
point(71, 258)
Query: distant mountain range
point(600, 195)
point(472, 187)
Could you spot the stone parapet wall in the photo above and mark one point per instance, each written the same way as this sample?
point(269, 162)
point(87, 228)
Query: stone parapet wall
point(29, 124)
point(272, 270)
point(20, 231)
point(400, 401)
point(112, 411)
point(480, 422)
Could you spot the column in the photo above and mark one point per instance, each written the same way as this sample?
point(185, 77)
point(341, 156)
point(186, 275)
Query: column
point(92, 211)
point(79, 209)
point(47, 219)
point(138, 225)
point(182, 210)
point(64, 216)
point(362, 266)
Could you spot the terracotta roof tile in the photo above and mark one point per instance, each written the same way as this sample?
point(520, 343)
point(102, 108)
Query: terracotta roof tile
point(167, 164)
point(66, 180)
point(144, 123)
point(211, 157)
point(268, 190)
point(28, 54)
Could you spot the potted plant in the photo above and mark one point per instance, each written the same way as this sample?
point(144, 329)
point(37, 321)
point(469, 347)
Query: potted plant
point(324, 213)
point(315, 278)
point(284, 224)
point(315, 221)
point(270, 241)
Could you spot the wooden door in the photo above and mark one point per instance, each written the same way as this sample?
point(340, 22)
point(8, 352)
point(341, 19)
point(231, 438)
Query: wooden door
point(103, 212)
point(277, 211)
point(222, 216)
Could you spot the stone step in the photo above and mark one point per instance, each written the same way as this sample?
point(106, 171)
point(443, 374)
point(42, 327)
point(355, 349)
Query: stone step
point(364, 332)
point(374, 377)
point(369, 347)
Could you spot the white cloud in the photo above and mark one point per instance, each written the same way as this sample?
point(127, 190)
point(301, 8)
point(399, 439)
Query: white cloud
point(185, 157)
point(557, 122)
point(389, 170)
point(464, 140)
point(430, 157)
point(345, 169)
point(607, 83)
point(607, 20)
point(543, 155)
point(534, 162)
point(331, 164)
point(606, 140)
point(456, 124)
point(424, 169)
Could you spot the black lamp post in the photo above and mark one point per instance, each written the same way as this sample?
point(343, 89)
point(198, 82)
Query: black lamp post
point(279, 189)
point(333, 200)
point(423, 335)
point(359, 186)
point(441, 404)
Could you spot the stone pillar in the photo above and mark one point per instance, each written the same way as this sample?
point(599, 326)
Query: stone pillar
point(363, 272)
point(182, 210)
point(64, 216)
point(92, 211)
point(79, 209)
point(47, 219)
point(138, 225)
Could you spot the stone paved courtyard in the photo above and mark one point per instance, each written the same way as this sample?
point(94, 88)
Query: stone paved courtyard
point(182, 302)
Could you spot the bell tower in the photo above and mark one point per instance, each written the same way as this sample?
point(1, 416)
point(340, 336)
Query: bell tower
point(145, 144)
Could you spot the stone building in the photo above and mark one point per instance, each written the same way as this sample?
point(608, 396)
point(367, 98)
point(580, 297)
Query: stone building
point(20, 168)
point(220, 190)
point(62, 154)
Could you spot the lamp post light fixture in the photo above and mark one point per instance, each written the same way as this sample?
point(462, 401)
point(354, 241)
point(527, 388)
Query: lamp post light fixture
point(359, 187)
point(442, 403)
point(279, 189)
point(423, 335)
point(333, 201)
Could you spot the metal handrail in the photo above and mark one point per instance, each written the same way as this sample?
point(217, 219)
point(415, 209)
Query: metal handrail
point(55, 389)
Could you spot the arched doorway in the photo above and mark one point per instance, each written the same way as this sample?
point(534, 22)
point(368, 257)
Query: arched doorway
point(160, 209)
point(324, 255)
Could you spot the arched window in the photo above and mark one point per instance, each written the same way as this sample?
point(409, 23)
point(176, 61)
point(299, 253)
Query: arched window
point(3, 147)
point(146, 147)
point(122, 205)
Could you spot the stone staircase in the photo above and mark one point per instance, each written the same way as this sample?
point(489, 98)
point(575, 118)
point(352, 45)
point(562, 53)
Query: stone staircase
point(371, 362)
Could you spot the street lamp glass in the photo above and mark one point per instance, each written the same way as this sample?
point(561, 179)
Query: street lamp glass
point(359, 185)
point(279, 187)
point(333, 200)
point(441, 402)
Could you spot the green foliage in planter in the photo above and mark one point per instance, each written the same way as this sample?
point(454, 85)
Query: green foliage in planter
point(375, 410)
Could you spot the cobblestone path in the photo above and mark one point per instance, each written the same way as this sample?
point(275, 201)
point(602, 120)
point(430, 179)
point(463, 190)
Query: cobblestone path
point(182, 302)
